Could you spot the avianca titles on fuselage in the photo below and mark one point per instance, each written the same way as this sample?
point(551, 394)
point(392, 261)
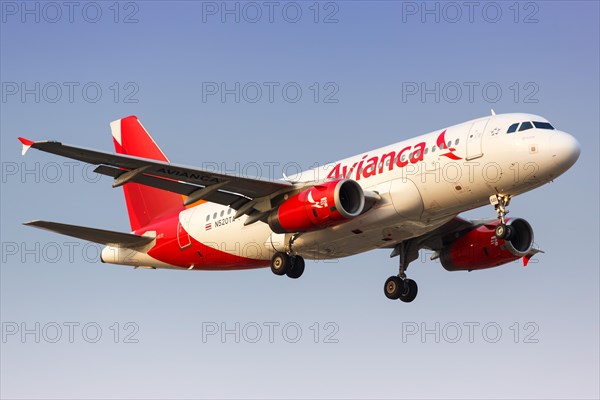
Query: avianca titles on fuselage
point(404, 197)
point(370, 166)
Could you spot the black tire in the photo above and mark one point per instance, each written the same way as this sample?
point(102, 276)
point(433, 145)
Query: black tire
point(501, 231)
point(504, 231)
point(280, 263)
point(393, 287)
point(297, 267)
point(410, 290)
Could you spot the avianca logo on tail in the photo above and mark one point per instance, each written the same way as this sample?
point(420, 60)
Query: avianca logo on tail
point(375, 165)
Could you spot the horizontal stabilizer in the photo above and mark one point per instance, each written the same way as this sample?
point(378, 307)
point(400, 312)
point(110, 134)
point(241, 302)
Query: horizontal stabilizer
point(109, 238)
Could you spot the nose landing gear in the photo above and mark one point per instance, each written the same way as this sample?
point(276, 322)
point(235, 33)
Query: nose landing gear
point(500, 203)
point(400, 287)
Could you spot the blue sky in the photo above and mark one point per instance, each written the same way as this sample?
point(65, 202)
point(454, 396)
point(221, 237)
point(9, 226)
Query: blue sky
point(65, 77)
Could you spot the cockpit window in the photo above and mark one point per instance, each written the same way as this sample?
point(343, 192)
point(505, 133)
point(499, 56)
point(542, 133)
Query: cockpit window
point(512, 128)
point(542, 125)
point(525, 125)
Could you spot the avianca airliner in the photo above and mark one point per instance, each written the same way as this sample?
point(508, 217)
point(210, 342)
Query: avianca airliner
point(403, 197)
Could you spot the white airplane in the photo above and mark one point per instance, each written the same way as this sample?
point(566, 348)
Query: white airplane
point(404, 197)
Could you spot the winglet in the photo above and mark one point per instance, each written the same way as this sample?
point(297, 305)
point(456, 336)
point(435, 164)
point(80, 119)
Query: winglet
point(26, 144)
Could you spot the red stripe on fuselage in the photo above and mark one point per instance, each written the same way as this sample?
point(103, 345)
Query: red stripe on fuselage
point(168, 250)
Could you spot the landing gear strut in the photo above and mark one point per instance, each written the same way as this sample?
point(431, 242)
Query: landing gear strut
point(288, 263)
point(500, 203)
point(400, 287)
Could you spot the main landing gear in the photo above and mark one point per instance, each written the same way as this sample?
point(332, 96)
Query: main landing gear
point(400, 287)
point(288, 263)
point(284, 264)
point(500, 203)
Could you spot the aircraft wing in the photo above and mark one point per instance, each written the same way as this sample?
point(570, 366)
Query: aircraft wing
point(235, 191)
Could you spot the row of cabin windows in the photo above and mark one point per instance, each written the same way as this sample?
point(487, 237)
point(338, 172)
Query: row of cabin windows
point(221, 214)
point(528, 125)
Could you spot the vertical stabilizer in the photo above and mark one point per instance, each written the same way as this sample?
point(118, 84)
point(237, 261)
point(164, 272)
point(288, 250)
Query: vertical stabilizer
point(144, 204)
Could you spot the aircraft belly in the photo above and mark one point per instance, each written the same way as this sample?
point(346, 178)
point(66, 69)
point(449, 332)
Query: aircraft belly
point(390, 221)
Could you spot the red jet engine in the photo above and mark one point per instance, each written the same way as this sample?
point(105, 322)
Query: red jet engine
point(319, 207)
point(480, 248)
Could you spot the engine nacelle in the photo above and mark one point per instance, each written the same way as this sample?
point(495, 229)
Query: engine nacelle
point(319, 207)
point(479, 248)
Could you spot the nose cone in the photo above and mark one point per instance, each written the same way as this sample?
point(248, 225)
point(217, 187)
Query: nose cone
point(565, 150)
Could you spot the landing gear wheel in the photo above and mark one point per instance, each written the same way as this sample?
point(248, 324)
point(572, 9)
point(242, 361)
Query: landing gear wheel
point(297, 267)
point(393, 287)
point(503, 231)
point(280, 263)
point(400, 287)
point(409, 290)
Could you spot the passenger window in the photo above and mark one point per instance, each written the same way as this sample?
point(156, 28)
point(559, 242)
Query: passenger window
point(512, 128)
point(403, 157)
point(222, 213)
point(449, 144)
point(543, 125)
point(525, 125)
point(215, 216)
point(208, 217)
point(456, 142)
point(229, 211)
point(433, 149)
point(426, 150)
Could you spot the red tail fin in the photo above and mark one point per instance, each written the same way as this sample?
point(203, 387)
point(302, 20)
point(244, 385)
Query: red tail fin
point(144, 204)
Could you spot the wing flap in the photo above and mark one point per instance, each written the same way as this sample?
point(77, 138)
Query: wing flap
point(170, 185)
point(109, 238)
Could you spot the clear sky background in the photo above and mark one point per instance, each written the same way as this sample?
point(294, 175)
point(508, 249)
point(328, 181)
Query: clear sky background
point(65, 77)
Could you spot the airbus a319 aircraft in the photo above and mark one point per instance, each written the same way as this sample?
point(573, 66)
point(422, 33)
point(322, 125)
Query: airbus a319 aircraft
point(404, 197)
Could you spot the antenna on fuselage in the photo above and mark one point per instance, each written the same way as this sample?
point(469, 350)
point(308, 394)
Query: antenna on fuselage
point(493, 112)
